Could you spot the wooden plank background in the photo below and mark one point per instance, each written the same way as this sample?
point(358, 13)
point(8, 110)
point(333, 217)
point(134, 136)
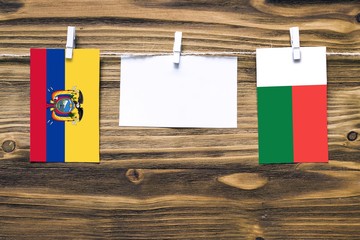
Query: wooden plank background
point(180, 183)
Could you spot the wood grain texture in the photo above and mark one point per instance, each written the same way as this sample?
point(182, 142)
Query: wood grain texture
point(180, 183)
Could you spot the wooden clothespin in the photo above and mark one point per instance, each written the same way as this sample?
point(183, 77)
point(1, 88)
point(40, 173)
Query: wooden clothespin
point(177, 47)
point(70, 42)
point(295, 43)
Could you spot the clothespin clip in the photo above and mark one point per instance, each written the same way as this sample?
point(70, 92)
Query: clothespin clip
point(70, 42)
point(295, 43)
point(177, 47)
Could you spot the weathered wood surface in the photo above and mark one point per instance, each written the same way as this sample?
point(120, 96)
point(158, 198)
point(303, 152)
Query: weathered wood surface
point(180, 183)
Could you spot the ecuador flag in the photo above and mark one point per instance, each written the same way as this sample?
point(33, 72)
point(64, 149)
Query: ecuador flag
point(292, 105)
point(64, 106)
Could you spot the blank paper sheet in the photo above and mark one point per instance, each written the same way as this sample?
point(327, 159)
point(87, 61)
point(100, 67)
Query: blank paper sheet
point(200, 92)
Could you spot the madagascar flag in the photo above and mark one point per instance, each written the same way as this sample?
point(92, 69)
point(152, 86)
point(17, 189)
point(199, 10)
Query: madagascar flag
point(292, 105)
point(64, 106)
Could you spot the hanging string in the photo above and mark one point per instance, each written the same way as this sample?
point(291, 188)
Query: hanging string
point(148, 54)
point(125, 54)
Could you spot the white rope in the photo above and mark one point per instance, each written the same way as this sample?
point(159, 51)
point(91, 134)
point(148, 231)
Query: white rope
point(128, 54)
point(14, 55)
point(342, 54)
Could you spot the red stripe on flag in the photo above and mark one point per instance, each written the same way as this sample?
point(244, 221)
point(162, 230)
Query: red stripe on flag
point(310, 123)
point(37, 105)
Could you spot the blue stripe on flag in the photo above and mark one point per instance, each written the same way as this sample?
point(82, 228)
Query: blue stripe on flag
point(55, 130)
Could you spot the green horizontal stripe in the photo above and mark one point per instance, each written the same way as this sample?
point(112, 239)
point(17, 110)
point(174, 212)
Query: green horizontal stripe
point(275, 125)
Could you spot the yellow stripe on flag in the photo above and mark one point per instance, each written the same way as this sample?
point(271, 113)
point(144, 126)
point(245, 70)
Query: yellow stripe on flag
point(82, 138)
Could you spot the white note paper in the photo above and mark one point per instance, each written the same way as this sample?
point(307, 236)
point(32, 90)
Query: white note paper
point(200, 92)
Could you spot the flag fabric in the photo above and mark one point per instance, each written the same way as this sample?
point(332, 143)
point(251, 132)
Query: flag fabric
point(64, 105)
point(292, 105)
